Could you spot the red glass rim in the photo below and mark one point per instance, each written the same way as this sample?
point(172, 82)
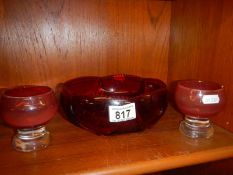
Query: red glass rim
point(200, 85)
point(121, 84)
point(26, 91)
point(112, 85)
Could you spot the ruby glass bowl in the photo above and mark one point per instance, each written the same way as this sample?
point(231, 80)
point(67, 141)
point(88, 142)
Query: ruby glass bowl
point(27, 109)
point(114, 104)
point(198, 101)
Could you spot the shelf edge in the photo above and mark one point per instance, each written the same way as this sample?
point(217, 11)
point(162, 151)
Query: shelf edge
point(166, 163)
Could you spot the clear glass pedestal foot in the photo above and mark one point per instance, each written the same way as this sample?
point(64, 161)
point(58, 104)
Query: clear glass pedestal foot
point(27, 140)
point(196, 127)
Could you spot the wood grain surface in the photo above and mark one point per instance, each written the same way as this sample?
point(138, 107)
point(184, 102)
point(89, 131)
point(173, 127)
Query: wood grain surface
point(48, 42)
point(223, 167)
point(77, 151)
point(51, 41)
point(202, 47)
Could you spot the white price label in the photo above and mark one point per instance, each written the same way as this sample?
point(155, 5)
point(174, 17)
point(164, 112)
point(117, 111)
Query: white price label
point(122, 113)
point(210, 99)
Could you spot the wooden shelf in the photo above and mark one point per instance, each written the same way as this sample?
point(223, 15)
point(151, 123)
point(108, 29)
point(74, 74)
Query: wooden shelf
point(77, 151)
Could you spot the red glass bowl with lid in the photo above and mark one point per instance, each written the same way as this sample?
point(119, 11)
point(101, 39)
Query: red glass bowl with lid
point(114, 104)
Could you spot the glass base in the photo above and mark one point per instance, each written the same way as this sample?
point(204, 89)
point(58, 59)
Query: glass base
point(196, 127)
point(27, 140)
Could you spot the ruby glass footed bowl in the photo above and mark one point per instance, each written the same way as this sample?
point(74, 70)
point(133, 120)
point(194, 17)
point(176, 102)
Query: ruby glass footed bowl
point(198, 101)
point(114, 104)
point(27, 109)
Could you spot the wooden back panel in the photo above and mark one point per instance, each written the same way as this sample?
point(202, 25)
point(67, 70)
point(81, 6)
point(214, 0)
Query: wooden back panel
point(47, 42)
point(202, 46)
